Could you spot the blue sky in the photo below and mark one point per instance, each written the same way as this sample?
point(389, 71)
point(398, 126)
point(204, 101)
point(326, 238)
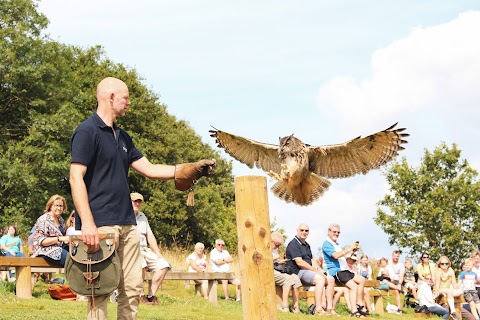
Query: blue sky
point(327, 71)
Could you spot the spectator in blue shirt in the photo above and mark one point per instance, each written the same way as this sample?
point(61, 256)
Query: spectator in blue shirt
point(467, 279)
point(335, 258)
point(10, 243)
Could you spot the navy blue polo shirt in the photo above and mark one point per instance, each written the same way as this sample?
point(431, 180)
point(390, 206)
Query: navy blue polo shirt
point(108, 160)
point(297, 249)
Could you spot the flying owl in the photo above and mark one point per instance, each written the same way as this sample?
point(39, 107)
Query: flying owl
point(302, 170)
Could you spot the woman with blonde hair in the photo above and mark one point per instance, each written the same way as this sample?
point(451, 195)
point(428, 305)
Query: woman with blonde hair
point(49, 234)
point(446, 283)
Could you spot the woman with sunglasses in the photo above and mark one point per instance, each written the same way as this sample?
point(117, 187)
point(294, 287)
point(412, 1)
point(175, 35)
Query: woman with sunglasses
point(446, 283)
point(425, 267)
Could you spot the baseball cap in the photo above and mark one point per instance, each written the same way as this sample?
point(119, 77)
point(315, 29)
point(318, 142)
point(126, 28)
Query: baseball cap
point(136, 196)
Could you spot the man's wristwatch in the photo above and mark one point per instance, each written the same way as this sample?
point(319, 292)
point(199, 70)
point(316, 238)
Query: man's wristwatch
point(58, 239)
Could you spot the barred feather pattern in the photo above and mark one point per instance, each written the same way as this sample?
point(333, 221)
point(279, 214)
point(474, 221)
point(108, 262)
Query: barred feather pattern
point(302, 170)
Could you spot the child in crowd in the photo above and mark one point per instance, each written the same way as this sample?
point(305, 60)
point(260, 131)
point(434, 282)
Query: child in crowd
point(409, 281)
point(467, 280)
point(383, 271)
point(364, 268)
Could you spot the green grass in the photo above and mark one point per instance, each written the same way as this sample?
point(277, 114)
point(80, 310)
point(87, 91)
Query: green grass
point(176, 303)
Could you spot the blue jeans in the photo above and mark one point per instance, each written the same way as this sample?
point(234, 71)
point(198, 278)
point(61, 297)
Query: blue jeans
point(439, 311)
point(61, 262)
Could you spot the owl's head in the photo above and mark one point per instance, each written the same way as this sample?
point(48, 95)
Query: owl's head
point(290, 144)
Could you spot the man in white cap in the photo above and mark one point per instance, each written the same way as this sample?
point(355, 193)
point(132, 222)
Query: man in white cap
point(152, 258)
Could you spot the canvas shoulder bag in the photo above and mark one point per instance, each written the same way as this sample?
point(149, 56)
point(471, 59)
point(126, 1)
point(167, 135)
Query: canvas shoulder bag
point(90, 273)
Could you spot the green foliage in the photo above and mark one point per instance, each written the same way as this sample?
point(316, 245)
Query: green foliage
point(47, 89)
point(433, 207)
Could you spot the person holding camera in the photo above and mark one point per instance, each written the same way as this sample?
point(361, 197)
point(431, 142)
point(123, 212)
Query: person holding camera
point(335, 258)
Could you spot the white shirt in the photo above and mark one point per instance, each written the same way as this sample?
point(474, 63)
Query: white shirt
point(143, 228)
point(395, 270)
point(217, 255)
point(201, 263)
point(425, 295)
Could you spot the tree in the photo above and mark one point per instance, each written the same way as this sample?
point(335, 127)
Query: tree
point(433, 207)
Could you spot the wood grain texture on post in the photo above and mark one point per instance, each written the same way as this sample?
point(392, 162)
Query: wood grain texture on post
point(254, 248)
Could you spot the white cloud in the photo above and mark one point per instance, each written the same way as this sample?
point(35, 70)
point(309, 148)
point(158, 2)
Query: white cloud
point(433, 69)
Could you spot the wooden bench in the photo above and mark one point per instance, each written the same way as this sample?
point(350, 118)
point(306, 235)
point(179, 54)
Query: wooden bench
point(211, 277)
point(24, 269)
point(376, 294)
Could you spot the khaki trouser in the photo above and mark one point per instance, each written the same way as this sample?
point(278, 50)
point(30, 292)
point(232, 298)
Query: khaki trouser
point(131, 284)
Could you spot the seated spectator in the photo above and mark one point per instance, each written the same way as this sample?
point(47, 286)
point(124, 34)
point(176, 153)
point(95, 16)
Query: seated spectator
point(70, 224)
point(446, 283)
point(425, 297)
point(335, 258)
point(299, 257)
point(476, 267)
point(425, 266)
point(11, 246)
point(286, 281)
point(383, 270)
point(364, 268)
point(392, 275)
point(409, 281)
point(152, 258)
point(197, 262)
point(396, 271)
point(354, 267)
point(49, 235)
point(220, 261)
point(467, 279)
point(10, 243)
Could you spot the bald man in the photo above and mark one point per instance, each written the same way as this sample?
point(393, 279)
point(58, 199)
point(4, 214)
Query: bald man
point(299, 257)
point(102, 154)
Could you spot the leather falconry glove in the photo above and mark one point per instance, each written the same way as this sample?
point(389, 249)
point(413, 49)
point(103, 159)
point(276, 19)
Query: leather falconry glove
point(187, 174)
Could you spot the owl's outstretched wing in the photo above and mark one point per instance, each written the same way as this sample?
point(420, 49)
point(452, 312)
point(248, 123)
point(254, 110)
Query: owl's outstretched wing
point(358, 155)
point(249, 152)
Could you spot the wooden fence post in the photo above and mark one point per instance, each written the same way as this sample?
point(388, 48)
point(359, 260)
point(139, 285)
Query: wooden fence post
point(254, 248)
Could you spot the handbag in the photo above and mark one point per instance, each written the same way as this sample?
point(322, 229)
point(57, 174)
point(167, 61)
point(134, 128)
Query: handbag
point(62, 292)
point(283, 268)
point(383, 286)
point(93, 273)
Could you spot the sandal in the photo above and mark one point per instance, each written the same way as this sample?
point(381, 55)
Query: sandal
point(357, 314)
point(320, 312)
point(295, 309)
point(284, 309)
point(362, 310)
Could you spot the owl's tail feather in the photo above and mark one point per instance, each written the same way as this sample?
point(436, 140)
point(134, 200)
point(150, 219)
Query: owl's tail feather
point(309, 190)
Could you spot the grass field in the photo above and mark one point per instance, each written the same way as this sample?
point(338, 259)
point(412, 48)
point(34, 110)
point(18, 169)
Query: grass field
point(176, 303)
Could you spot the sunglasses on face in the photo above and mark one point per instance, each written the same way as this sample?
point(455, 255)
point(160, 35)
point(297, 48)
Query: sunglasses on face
point(444, 263)
point(304, 230)
point(425, 257)
point(220, 244)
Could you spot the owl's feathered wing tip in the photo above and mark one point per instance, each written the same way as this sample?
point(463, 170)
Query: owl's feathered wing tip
point(310, 190)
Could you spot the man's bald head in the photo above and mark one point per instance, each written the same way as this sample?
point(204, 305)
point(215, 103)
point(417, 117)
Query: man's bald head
point(113, 99)
point(109, 85)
